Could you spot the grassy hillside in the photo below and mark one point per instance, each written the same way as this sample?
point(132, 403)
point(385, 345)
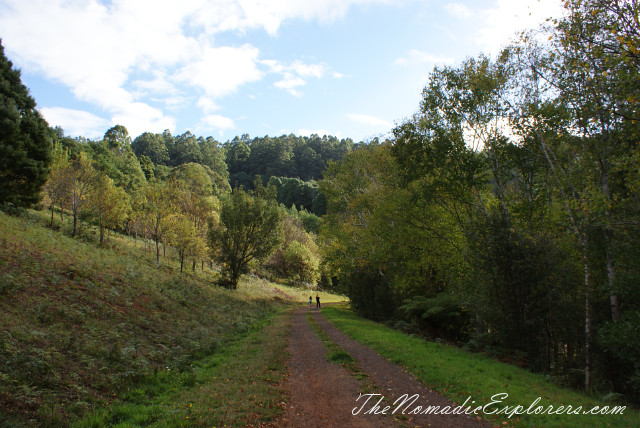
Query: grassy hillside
point(80, 325)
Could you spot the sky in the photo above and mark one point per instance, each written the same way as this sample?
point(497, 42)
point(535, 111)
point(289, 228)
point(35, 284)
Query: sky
point(222, 68)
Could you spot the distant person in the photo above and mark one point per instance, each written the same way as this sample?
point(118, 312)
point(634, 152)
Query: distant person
point(317, 301)
point(310, 301)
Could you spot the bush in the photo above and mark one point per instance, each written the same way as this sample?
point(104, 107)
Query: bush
point(301, 264)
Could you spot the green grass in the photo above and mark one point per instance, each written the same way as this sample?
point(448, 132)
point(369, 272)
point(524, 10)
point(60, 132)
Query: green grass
point(302, 295)
point(335, 354)
point(81, 325)
point(239, 385)
point(458, 374)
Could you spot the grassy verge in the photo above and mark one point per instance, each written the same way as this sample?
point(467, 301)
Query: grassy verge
point(238, 385)
point(458, 374)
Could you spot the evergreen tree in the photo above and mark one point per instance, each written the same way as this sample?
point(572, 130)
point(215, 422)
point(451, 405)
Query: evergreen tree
point(25, 140)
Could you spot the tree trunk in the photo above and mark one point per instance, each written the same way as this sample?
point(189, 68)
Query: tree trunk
point(604, 167)
point(52, 209)
point(611, 276)
point(75, 223)
point(587, 319)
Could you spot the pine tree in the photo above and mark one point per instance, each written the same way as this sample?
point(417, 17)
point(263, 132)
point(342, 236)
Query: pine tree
point(25, 141)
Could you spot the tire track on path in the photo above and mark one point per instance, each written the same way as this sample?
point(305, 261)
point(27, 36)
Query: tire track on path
point(393, 382)
point(322, 394)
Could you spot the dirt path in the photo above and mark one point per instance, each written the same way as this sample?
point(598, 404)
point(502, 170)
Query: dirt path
point(324, 394)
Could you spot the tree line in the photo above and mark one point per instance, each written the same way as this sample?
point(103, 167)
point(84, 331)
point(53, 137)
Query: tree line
point(297, 160)
point(169, 191)
point(191, 209)
point(504, 214)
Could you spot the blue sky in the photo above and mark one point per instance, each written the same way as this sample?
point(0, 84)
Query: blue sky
point(221, 68)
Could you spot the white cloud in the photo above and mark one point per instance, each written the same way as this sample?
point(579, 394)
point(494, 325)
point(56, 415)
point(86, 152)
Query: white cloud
point(509, 17)
point(140, 117)
point(458, 10)
point(207, 104)
point(295, 74)
point(116, 54)
point(76, 122)
point(242, 15)
point(210, 123)
point(415, 56)
point(218, 122)
point(289, 83)
point(160, 84)
point(221, 71)
point(365, 119)
point(308, 70)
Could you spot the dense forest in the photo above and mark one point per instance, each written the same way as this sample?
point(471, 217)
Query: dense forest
point(502, 216)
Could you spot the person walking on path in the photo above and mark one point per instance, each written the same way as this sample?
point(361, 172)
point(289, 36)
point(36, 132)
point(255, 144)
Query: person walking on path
point(317, 301)
point(310, 300)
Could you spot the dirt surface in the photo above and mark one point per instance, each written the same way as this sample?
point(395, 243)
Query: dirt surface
point(325, 394)
point(322, 393)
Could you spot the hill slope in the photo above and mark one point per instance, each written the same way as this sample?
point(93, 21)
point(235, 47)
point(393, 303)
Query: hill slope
point(79, 323)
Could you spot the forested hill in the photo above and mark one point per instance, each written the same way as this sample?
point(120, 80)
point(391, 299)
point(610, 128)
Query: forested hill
point(285, 156)
point(294, 162)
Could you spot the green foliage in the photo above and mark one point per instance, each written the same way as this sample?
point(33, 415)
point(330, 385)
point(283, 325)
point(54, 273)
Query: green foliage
point(195, 178)
point(512, 191)
point(152, 146)
point(250, 228)
point(295, 192)
point(108, 204)
point(25, 141)
point(156, 205)
point(310, 221)
point(82, 178)
point(113, 155)
point(440, 316)
point(285, 156)
point(297, 258)
point(621, 353)
point(301, 263)
point(118, 140)
point(184, 237)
